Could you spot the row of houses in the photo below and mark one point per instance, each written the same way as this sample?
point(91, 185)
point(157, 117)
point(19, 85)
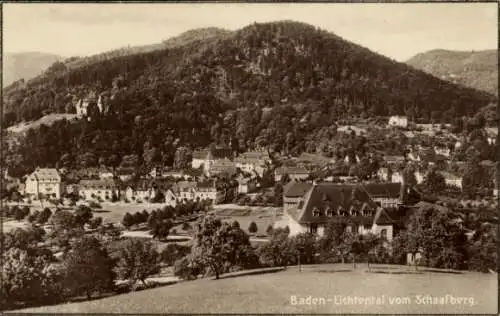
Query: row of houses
point(48, 183)
point(216, 161)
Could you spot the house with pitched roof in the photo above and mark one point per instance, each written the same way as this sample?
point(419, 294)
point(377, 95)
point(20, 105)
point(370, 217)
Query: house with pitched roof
point(294, 173)
point(98, 189)
point(221, 166)
point(44, 181)
point(142, 190)
point(253, 162)
point(350, 203)
point(293, 193)
point(385, 195)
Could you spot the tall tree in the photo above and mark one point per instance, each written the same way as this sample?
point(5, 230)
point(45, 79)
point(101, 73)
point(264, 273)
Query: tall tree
point(138, 260)
point(88, 268)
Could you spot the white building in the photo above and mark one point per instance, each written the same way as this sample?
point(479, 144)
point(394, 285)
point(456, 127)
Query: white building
point(325, 202)
point(451, 179)
point(399, 121)
point(98, 189)
point(253, 162)
point(387, 175)
point(44, 181)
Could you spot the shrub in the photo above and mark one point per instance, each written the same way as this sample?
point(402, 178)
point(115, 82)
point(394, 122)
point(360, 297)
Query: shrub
point(253, 227)
point(269, 229)
point(186, 269)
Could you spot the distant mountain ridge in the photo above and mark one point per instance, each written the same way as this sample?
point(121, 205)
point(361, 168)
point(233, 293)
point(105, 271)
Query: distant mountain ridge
point(26, 65)
point(475, 69)
point(182, 39)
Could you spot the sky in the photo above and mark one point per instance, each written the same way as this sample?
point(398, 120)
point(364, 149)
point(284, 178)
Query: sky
point(398, 30)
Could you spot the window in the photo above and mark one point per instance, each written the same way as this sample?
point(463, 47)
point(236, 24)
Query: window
point(329, 212)
point(313, 228)
point(383, 233)
point(316, 212)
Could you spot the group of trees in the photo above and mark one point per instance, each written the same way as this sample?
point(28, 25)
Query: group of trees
point(32, 275)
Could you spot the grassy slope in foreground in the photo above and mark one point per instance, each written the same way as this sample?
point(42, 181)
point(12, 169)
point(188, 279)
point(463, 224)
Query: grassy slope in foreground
point(271, 293)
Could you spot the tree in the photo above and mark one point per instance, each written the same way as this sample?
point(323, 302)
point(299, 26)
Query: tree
point(128, 220)
point(23, 238)
point(252, 228)
point(434, 182)
point(64, 228)
point(44, 216)
point(32, 217)
point(218, 247)
point(269, 229)
point(161, 229)
point(305, 247)
point(83, 215)
point(26, 210)
point(438, 237)
point(95, 222)
point(26, 277)
point(88, 268)
point(330, 242)
point(278, 194)
point(482, 250)
point(279, 250)
point(138, 260)
point(183, 157)
point(18, 213)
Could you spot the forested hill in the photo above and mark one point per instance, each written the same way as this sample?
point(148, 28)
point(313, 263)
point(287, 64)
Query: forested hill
point(475, 69)
point(253, 86)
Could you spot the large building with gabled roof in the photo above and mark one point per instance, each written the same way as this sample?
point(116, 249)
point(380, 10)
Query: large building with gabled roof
point(326, 202)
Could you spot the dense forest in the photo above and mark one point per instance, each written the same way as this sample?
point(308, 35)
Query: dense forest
point(266, 85)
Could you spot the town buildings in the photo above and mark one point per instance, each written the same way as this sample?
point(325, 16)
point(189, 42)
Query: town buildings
point(104, 190)
point(44, 182)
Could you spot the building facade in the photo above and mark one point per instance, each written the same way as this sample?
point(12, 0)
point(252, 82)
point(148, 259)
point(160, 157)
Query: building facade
point(399, 121)
point(44, 182)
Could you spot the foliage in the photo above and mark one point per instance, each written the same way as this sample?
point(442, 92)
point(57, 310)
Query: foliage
point(434, 182)
point(27, 277)
point(187, 268)
point(252, 227)
point(138, 260)
point(483, 249)
point(174, 252)
point(161, 229)
point(44, 216)
point(437, 236)
point(88, 268)
point(279, 250)
point(218, 247)
point(128, 220)
point(83, 215)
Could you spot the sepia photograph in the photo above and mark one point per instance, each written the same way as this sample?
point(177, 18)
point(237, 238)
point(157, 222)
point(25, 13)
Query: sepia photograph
point(249, 158)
